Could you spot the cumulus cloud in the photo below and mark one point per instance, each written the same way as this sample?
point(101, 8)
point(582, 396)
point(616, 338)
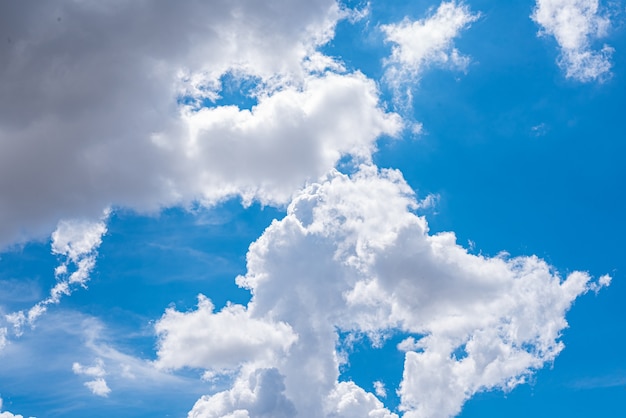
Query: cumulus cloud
point(7, 414)
point(98, 386)
point(425, 42)
point(99, 106)
point(351, 255)
point(219, 341)
point(76, 242)
point(575, 24)
point(260, 394)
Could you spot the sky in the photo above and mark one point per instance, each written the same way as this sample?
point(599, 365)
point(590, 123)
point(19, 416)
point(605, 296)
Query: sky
point(233, 208)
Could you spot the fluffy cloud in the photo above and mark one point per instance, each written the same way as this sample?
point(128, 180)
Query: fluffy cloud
point(260, 394)
point(7, 414)
point(218, 341)
point(351, 255)
point(421, 43)
point(575, 24)
point(97, 106)
point(291, 136)
point(98, 386)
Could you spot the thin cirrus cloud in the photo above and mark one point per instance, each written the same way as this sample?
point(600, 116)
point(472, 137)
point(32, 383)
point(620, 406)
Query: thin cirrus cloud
point(350, 255)
point(576, 24)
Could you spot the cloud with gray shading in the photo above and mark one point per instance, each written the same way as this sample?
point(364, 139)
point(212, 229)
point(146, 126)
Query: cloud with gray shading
point(352, 256)
point(99, 106)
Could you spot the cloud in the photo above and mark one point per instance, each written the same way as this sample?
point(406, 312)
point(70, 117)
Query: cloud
point(379, 389)
point(575, 24)
point(218, 341)
point(3, 337)
point(259, 395)
point(426, 42)
point(76, 242)
point(99, 106)
point(97, 370)
point(97, 386)
point(7, 414)
point(352, 256)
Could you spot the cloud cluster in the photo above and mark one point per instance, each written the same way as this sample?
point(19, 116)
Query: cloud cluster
point(98, 386)
point(352, 256)
point(98, 106)
point(575, 24)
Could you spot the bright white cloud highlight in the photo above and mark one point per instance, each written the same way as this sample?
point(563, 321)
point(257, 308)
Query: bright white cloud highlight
point(575, 24)
point(426, 42)
point(291, 136)
point(351, 255)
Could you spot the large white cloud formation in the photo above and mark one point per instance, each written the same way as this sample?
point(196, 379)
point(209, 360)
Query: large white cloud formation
point(351, 255)
point(575, 24)
point(93, 113)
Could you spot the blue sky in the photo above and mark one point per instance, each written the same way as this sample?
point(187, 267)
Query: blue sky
point(313, 209)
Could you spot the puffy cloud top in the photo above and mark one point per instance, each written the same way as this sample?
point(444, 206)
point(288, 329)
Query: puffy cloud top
point(352, 255)
point(98, 106)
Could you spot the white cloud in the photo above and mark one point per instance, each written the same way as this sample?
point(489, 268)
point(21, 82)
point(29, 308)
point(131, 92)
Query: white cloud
point(76, 242)
point(351, 255)
point(379, 389)
point(575, 24)
point(425, 42)
point(7, 414)
point(97, 386)
point(219, 341)
point(3, 337)
point(348, 400)
point(90, 112)
point(291, 136)
point(97, 370)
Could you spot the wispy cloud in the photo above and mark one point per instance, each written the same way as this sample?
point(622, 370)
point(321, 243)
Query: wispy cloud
point(76, 242)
